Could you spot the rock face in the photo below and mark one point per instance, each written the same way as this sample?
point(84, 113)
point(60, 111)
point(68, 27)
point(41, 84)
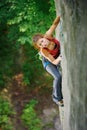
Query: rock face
point(50, 119)
point(72, 33)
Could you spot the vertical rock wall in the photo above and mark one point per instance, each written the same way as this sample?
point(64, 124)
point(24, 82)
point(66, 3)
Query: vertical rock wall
point(72, 33)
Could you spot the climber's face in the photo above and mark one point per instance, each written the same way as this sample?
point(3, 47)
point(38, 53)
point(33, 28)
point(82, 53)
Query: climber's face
point(43, 42)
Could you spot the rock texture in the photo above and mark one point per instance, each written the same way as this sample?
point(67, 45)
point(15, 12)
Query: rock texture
point(72, 33)
point(50, 119)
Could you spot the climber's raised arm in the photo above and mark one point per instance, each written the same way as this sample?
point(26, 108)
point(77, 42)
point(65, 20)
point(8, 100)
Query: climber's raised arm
point(53, 26)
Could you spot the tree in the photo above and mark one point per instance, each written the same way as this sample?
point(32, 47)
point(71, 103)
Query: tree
point(19, 21)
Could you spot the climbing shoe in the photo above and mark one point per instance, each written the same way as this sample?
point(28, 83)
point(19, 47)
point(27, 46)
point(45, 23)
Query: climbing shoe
point(61, 103)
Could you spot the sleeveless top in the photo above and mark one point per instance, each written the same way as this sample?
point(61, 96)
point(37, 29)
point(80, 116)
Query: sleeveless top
point(55, 52)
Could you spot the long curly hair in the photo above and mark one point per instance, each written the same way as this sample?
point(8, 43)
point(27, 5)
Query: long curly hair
point(36, 37)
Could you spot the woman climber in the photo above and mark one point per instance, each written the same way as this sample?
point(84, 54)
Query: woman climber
point(49, 49)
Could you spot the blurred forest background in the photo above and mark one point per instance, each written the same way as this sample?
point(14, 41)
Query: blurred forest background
point(20, 67)
point(19, 21)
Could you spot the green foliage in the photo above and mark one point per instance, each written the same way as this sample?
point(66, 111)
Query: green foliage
point(32, 66)
point(6, 57)
point(52, 8)
point(2, 81)
point(30, 17)
point(30, 118)
point(19, 21)
point(5, 113)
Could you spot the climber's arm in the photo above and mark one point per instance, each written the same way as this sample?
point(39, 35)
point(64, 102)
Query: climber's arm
point(53, 26)
point(50, 58)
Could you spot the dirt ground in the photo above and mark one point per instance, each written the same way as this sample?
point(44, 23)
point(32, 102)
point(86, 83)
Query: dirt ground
point(20, 95)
